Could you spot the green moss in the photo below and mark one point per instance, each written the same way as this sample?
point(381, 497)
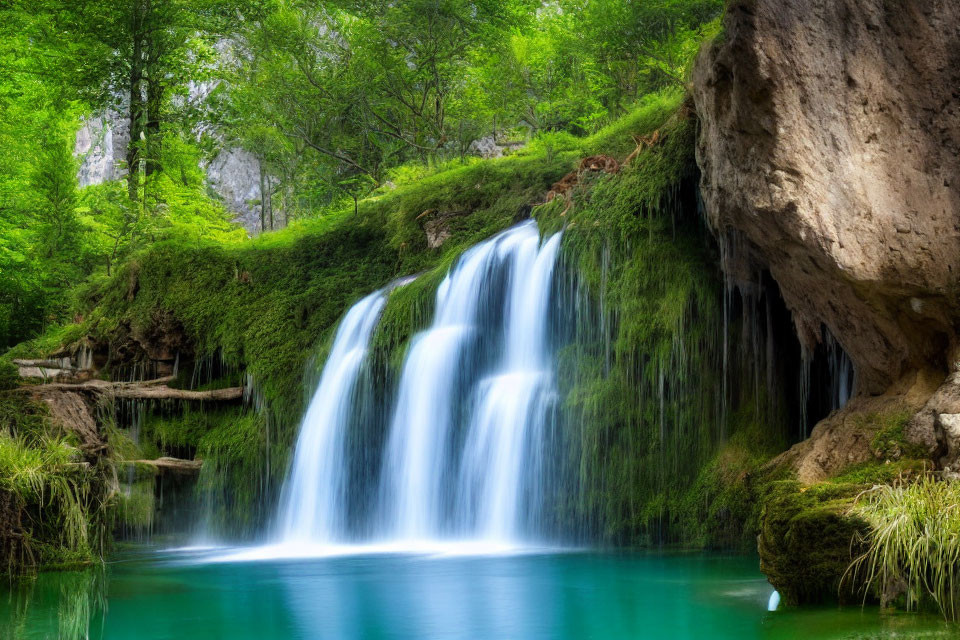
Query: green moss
point(136, 504)
point(23, 417)
point(122, 446)
point(409, 309)
point(889, 441)
point(664, 456)
point(808, 536)
point(185, 429)
point(642, 390)
point(51, 341)
point(721, 509)
point(236, 468)
point(881, 472)
point(9, 375)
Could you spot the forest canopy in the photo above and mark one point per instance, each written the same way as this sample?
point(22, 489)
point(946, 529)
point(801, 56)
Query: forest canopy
point(335, 100)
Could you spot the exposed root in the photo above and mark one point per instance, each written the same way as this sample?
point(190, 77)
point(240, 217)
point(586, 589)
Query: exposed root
point(565, 186)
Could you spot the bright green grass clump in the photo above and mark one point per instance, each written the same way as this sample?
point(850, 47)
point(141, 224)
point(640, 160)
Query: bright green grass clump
point(46, 492)
point(914, 542)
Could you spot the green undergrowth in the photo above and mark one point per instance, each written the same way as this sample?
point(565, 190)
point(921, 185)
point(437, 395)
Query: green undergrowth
point(235, 484)
point(657, 448)
point(889, 441)
point(811, 533)
point(46, 343)
point(721, 509)
point(912, 551)
point(52, 502)
point(807, 538)
point(232, 442)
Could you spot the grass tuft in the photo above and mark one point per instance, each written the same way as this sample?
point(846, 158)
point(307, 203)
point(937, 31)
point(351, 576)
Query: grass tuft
point(914, 543)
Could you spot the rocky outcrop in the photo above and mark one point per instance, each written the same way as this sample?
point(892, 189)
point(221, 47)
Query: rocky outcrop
point(101, 147)
point(936, 427)
point(807, 540)
point(234, 174)
point(830, 149)
point(870, 429)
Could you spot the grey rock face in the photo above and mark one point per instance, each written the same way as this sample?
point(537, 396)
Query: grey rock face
point(234, 174)
point(101, 146)
point(936, 427)
point(489, 147)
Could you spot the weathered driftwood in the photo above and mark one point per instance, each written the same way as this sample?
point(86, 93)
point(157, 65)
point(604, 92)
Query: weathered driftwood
point(147, 390)
point(72, 404)
point(176, 465)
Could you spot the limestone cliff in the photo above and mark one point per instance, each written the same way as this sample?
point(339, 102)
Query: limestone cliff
point(830, 151)
point(830, 156)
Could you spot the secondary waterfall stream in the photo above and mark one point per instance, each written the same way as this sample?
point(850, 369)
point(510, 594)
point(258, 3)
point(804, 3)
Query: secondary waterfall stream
point(463, 458)
point(313, 501)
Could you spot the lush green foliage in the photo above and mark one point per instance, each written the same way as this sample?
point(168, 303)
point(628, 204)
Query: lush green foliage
point(50, 508)
point(643, 377)
point(362, 115)
point(333, 97)
point(58, 61)
point(914, 542)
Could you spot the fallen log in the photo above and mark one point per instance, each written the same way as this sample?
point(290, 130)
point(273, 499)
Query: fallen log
point(147, 390)
point(175, 465)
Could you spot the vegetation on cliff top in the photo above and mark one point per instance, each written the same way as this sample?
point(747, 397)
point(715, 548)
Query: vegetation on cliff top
point(334, 99)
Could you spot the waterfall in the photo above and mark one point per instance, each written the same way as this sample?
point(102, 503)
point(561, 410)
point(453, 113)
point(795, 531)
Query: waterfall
point(463, 455)
point(502, 457)
point(431, 487)
point(313, 498)
point(425, 407)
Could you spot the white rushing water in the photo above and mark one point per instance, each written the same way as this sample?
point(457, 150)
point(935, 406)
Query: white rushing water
point(502, 455)
point(313, 498)
point(462, 458)
point(416, 453)
point(463, 472)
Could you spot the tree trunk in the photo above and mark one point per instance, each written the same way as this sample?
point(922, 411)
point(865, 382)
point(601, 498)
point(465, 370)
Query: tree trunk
point(136, 111)
point(263, 201)
point(154, 105)
point(269, 200)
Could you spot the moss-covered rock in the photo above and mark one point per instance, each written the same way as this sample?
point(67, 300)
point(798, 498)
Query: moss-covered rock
point(808, 539)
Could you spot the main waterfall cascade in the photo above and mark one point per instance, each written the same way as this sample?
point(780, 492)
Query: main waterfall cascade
point(466, 442)
point(475, 403)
